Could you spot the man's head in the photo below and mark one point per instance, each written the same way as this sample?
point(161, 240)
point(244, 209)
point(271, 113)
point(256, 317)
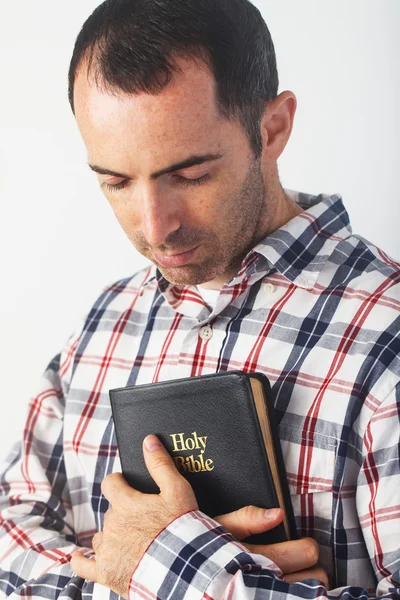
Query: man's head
point(177, 104)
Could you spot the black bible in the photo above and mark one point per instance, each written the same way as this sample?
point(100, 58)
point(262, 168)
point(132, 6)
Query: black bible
point(221, 432)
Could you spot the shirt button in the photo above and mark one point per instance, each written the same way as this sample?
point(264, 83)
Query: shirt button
point(303, 281)
point(206, 333)
point(269, 288)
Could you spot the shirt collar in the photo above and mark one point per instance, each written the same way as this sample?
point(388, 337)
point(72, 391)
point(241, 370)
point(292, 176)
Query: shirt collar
point(299, 249)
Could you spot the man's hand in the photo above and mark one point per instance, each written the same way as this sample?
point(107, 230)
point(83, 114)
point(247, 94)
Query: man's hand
point(134, 520)
point(294, 558)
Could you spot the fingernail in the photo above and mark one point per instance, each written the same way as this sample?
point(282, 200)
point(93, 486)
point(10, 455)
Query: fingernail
point(272, 513)
point(152, 443)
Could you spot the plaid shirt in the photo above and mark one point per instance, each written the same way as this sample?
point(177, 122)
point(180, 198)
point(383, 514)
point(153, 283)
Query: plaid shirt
point(313, 307)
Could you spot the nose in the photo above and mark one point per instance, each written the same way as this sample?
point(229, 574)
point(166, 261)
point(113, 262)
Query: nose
point(160, 214)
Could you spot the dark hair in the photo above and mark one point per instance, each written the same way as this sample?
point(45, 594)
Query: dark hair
point(130, 45)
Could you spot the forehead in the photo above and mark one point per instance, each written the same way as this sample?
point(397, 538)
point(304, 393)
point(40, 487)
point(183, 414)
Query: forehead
point(183, 113)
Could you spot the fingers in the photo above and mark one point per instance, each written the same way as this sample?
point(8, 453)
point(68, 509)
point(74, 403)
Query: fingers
point(317, 573)
point(160, 465)
point(292, 556)
point(97, 540)
point(250, 519)
point(84, 567)
point(116, 489)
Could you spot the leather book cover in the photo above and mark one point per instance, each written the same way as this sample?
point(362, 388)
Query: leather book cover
point(221, 432)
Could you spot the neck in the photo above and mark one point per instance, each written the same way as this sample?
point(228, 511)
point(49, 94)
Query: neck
point(286, 210)
point(280, 209)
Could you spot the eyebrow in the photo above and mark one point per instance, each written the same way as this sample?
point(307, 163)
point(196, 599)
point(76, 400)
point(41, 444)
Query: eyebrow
point(183, 164)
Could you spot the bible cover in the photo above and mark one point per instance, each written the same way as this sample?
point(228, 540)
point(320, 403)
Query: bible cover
point(221, 432)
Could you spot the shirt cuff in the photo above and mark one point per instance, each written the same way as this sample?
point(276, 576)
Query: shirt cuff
point(187, 556)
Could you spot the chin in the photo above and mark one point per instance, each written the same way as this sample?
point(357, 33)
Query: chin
point(190, 275)
point(181, 276)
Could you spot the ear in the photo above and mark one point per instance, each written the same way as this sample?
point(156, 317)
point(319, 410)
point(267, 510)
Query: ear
point(277, 124)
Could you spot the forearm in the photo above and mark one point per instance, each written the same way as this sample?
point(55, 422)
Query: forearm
point(197, 559)
point(36, 545)
point(41, 570)
point(37, 532)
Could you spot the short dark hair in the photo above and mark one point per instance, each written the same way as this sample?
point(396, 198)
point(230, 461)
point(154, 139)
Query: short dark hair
point(130, 45)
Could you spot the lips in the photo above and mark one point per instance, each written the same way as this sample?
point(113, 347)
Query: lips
point(175, 260)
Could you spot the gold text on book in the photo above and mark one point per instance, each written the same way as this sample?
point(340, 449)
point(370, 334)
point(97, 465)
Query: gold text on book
point(192, 463)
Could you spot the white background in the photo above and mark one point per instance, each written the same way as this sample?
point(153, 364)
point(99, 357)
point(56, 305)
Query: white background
point(59, 241)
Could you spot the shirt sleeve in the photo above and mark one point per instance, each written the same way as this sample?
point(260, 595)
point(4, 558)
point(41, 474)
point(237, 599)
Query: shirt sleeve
point(195, 558)
point(378, 490)
point(37, 534)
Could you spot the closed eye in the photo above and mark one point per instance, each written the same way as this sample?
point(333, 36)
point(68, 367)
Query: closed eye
point(114, 187)
point(178, 178)
point(189, 182)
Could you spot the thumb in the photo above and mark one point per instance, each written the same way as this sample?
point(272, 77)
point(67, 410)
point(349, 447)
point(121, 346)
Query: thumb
point(159, 463)
point(250, 519)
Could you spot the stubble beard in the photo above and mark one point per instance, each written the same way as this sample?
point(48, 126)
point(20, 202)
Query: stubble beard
point(224, 249)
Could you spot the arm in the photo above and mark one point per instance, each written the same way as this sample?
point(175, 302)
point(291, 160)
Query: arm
point(226, 572)
point(378, 490)
point(175, 551)
point(37, 533)
point(197, 559)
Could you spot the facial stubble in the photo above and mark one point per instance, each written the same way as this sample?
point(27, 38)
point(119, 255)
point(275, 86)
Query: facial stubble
point(239, 231)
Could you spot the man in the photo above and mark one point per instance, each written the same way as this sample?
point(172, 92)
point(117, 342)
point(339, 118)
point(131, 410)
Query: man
point(178, 106)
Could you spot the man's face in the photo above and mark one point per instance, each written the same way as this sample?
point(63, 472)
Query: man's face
point(182, 180)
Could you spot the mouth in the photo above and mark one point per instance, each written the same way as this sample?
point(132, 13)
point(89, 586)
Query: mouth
point(176, 260)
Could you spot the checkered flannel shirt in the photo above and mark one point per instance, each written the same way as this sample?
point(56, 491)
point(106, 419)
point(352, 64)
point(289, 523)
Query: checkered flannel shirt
point(313, 307)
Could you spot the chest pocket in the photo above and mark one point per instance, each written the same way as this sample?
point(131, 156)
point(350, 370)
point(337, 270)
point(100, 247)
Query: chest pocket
point(310, 465)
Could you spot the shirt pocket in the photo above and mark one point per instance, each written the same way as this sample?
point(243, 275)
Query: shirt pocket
point(310, 466)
